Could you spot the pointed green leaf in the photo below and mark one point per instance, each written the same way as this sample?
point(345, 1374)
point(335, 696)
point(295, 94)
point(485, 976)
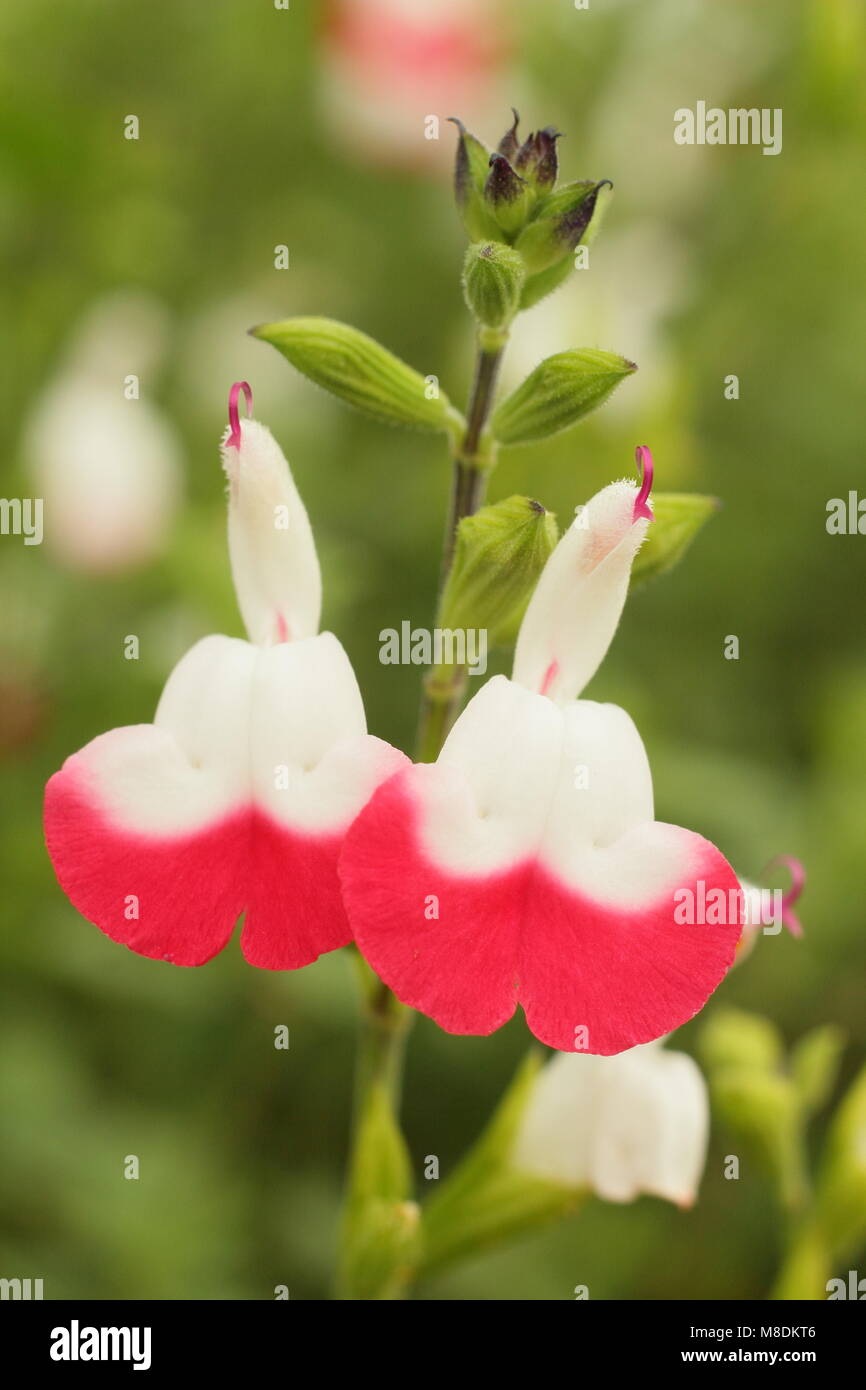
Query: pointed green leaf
point(558, 393)
point(361, 372)
point(815, 1063)
point(841, 1195)
point(679, 517)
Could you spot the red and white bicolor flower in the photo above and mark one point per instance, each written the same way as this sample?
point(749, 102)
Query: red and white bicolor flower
point(237, 797)
point(525, 865)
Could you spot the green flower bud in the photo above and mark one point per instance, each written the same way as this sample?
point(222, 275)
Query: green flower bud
point(815, 1063)
point(537, 161)
point(492, 280)
point(841, 1195)
point(537, 287)
point(471, 170)
point(382, 1224)
point(762, 1107)
point(560, 391)
point(361, 372)
point(499, 555)
point(567, 217)
point(509, 197)
point(679, 517)
point(732, 1037)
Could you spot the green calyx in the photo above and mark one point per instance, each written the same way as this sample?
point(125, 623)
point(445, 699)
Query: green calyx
point(498, 558)
point(509, 195)
point(493, 276)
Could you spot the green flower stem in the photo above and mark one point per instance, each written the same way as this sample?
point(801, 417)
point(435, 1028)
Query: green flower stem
point(377, 1167)
point(385, 1024)
point(440, 701)
point(474, 458)
point(805, 1268)
point(379, 1221)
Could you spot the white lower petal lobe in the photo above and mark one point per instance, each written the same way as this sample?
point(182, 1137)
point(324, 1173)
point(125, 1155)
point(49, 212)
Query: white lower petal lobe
point(273, 554)
point(625, 1125)
point(189, 768)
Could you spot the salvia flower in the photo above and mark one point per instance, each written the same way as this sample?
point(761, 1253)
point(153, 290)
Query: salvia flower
point(769, 909)
point(236, 798)
point(525, 865)
point(622, 1126)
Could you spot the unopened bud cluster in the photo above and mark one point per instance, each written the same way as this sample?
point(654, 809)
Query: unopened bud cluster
point(524, 228)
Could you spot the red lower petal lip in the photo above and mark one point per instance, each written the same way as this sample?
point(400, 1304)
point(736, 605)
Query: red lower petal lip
point(591, 977)
point(177, 898)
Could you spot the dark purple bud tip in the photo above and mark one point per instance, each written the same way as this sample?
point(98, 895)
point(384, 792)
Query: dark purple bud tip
point(503, 185)
point(546, 161)
point(509, 144)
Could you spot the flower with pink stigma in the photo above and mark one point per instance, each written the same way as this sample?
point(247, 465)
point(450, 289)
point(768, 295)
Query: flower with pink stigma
point(525, 865)
point(767, 910)
point(237, 797)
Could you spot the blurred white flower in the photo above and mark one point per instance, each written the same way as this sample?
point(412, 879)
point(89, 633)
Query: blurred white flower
point(635, 1122)
point(105, 461)
point(639, 278)
point(389, 64)
point(666, 48)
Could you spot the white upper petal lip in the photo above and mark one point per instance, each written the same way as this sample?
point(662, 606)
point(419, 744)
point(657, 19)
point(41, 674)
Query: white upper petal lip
point(273, 556)
point(577, 603)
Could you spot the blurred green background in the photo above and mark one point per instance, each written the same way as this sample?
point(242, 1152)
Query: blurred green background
point(261, 127)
